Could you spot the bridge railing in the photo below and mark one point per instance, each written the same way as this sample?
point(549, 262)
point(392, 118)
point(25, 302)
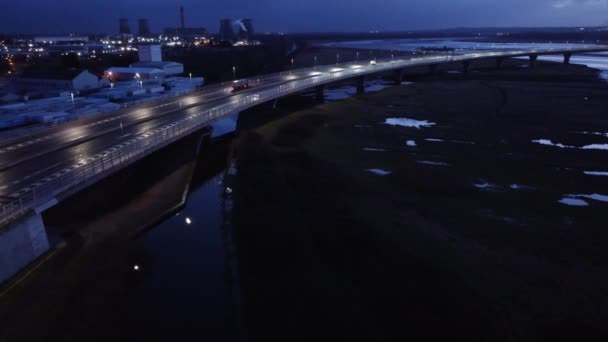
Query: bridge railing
point(93, 168)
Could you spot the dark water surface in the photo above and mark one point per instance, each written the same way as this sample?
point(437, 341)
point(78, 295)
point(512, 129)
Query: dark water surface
point(185, 286)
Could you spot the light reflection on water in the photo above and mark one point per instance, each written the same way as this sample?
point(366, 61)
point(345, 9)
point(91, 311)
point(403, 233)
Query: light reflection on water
point(187, 262)
point(184, 288)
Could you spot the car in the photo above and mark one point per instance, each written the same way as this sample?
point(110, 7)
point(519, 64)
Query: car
point(242, 85)
point(372, 62)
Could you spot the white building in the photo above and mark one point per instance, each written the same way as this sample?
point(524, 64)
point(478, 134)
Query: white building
point(170, 68)
point(150, 53)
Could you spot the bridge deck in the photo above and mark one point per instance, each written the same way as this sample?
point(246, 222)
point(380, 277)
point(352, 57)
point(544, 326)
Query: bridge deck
point(38, 168)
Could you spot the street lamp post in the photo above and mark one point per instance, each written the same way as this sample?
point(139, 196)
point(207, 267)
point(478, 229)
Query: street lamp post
point(357, 56)
point(72, 96)
point(190, 75)
point(337, 58)
point(234, 73)
point(315, 62)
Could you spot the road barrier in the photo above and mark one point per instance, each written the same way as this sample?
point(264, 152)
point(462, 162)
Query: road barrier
point(90, 170)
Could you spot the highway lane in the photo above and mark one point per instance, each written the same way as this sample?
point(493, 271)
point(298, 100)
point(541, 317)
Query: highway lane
point(31, 147)
point(16, 180)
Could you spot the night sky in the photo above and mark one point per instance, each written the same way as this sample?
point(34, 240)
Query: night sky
point(61, 16)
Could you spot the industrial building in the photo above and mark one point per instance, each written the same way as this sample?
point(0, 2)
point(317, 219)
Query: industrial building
point(150, 57)
point(56, 80)
point(118, 74)
point(61, 40)
point(150, 53)
point(184, 32)
point(169, 68)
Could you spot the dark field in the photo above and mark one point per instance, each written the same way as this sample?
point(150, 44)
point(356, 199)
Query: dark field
point(329, 250)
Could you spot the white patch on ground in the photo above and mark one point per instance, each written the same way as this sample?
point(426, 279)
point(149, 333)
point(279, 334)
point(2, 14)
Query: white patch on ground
point(594, 133)
point(410, 143)
point(595, 197)
point(405, 122)
point(595, 147)
point(574, 202)
point(450, 141)
point(548, 142)
point(369, 149)
point(379, 172)
point(516, 187)
point(339, 94)
point(427, 162)
point(375, 87)
point(485, 185)
point(596, 173)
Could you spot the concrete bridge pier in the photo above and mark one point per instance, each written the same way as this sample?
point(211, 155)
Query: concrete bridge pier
point(533, 59)
point(499, 62)
point(22, 242)
point(320, 93)
point(466, 65)
point(567, 57)
point(360, 84)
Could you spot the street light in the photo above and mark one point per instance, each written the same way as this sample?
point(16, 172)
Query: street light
point(357, 56)
point(337, 58)
point(234, 73)
point(190, 75)
point(315, 62)
point(72, 96)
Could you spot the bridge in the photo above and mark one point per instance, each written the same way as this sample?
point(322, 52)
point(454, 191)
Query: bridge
point(37, 171)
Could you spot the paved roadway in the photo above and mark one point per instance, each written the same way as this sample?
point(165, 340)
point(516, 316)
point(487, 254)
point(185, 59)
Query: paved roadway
point(28, 162)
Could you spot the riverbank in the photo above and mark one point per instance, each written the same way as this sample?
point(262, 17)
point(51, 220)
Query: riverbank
point(350, 228)
point(90, 282)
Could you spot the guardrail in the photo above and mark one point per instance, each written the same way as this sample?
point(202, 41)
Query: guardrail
point(100, 165)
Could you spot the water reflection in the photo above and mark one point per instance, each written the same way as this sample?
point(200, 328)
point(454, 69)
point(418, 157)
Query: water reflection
point(189, 286)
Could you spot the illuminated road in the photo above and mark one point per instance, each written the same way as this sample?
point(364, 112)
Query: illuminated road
point(42, 167)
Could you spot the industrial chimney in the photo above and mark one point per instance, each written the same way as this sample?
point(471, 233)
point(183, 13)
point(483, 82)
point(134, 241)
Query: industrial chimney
point(144, 27)
point(124, 26)
point(181, 15)
point(248, 23)
point(226, 30)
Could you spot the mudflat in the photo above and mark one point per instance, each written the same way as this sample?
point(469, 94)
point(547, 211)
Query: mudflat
point(464, 207)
